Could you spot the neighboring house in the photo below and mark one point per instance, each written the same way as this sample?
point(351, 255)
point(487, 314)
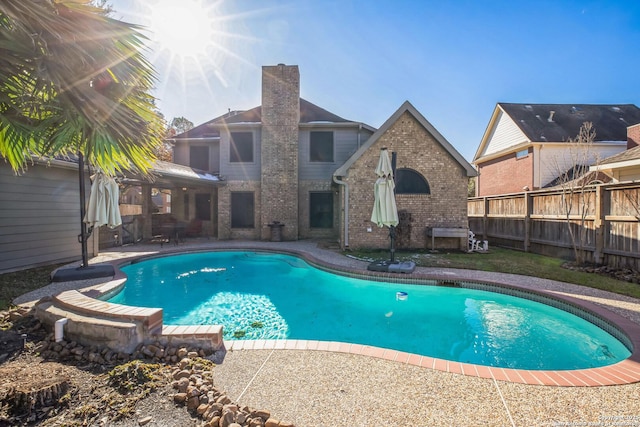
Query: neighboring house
point(625, 166)
point(282, 162)
point(525, 146)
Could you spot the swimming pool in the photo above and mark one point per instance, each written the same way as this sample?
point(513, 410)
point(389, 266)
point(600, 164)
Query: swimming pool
point(258, 295)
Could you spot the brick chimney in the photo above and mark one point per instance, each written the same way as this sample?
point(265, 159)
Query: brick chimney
point(280, 119)
point(633, 136)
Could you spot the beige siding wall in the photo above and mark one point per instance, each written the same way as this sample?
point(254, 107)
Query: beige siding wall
point(346, 142)
point(239, 171)
point(505, 135)
point(628, 174)
point(40, 217)
point(416, 149)
point(181, 153)
point(558, 158)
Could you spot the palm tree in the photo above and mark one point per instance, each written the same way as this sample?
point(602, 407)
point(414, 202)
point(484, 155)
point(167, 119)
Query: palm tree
point(75, 82)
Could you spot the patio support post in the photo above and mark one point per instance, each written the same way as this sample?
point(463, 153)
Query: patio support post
point(84, 235)
point(147, 204)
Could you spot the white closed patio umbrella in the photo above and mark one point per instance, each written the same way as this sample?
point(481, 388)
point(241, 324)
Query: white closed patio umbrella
point(103, 208)
point(385, 212)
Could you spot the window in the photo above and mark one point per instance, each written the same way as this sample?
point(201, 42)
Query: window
point(409, 181)
point(241, 147)
point(199, 157)
point(321, 209)
point(321, 147)
point(522, 153)
point(203, 207)
point(242, 207)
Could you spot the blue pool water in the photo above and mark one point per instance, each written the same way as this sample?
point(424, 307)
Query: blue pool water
point(272, 296)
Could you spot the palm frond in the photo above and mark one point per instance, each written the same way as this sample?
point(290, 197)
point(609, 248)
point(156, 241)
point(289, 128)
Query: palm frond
point(74, 80)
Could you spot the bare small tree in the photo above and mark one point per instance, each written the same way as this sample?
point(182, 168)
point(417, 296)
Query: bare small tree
point(632, 195)
point(178, 125)
point(577, 198)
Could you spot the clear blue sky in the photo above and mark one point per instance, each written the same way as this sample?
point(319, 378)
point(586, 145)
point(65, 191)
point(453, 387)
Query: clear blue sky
point(361, 59)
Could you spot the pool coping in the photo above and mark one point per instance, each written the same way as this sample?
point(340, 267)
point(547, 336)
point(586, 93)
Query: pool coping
point(624, 372)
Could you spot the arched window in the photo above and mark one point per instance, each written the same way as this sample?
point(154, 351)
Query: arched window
point(409, 181)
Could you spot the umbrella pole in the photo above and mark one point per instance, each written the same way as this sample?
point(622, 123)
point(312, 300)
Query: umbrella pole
point(83, 237)
point(84, 271)
point(392, 235)
point(392, 229)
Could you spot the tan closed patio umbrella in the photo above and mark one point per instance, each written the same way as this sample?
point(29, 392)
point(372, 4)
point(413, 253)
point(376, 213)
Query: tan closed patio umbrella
point(385, 213)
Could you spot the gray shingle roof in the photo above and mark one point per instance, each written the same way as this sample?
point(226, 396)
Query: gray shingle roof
point(309, 113)
point(610, 122)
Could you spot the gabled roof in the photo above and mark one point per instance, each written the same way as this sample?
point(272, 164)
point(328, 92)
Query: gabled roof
point(557, 123)
point(406, 107)
point(309, 113)
point(539, 123)
point(626, 156)
point(626, 160)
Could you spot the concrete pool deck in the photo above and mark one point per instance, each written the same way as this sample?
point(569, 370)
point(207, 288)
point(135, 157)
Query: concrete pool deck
point(350, 387)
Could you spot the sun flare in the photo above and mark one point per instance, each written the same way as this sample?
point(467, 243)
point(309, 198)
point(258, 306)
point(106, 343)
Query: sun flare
point(184, 28)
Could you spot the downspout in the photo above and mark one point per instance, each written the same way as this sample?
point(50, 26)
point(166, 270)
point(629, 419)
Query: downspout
point(346, 209)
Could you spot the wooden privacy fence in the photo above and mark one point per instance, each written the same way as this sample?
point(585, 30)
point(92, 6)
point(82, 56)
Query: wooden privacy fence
point(606, 216)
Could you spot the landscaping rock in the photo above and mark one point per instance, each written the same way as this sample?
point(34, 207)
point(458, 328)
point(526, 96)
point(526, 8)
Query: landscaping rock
point(191, 378)
point(144, 421)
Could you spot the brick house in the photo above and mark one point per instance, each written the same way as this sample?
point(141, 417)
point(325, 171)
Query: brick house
point(431, 184)
point(525, 145)
point(276, 162)
point(294, 163)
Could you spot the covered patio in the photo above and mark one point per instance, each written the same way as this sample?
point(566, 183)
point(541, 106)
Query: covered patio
point(177, 202)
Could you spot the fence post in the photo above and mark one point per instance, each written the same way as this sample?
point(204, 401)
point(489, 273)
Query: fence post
point(485, 218)
point(528, 209)
point(599, 225)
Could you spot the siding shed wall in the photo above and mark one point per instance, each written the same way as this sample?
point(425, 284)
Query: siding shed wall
point(40, 217)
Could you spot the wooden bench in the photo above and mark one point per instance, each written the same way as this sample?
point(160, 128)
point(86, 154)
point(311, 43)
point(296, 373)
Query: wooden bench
point(458, 233)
